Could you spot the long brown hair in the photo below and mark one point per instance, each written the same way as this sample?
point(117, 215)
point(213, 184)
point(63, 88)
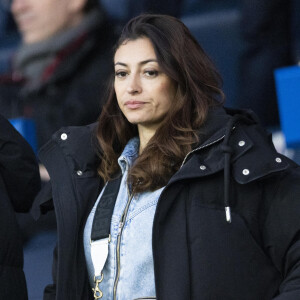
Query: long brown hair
point(198, 88)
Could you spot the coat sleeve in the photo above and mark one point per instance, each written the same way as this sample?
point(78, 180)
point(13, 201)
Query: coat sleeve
point(282, 234)
point(50, 289)
point(18, 167)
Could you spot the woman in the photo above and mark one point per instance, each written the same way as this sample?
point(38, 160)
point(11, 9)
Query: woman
point(19, 183)
point(204, 208)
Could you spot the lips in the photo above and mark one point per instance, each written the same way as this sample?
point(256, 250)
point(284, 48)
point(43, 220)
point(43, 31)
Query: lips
point(134, 104)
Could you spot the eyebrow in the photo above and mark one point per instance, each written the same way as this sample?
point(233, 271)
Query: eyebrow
point(140, 63)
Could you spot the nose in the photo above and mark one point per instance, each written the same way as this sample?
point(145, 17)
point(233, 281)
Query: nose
point(134, 84)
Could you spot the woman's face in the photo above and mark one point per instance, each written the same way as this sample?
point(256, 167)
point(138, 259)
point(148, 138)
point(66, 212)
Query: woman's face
point(143, 91)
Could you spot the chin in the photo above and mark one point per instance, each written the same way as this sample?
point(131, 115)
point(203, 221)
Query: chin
point(31, 39)
point(133, 121)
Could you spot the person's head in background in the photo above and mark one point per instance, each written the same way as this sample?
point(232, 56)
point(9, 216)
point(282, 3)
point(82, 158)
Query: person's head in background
point(38, 20)
point(197, 87)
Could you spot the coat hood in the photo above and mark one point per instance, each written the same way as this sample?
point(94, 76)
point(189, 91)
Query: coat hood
point(233, 142)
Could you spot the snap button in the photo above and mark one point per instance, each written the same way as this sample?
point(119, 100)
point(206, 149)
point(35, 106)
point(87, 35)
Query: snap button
point(202, 167)
point(63, 136)
point(278, 160)
point(242, 143)
point(79, 173)
point(246, 172)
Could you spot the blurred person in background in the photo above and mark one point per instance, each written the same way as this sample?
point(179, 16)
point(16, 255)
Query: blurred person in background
point(19, 183)
point(59, 69)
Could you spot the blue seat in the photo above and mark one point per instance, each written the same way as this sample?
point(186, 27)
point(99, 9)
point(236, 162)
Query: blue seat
point(288, 94)
point(26, 127)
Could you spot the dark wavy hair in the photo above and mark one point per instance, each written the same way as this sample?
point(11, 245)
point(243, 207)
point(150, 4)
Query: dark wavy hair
point(198, 87)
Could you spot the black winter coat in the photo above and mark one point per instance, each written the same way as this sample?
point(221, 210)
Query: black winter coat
point(197, 253)
point(71, 90)
point(19, 183)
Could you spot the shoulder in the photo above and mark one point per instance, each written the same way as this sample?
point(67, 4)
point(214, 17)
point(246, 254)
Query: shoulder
point(77, 144)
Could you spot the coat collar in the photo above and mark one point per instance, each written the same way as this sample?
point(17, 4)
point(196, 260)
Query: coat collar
point(253, 154)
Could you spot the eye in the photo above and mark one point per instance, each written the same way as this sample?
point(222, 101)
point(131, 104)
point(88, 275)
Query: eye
point(151, 73)
point(120, 74)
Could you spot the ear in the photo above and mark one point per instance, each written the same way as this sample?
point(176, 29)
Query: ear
point(76, 6)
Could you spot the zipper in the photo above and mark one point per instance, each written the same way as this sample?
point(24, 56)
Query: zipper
point(201, 147)
point(169, 184)
point(121, 226)
point(204, 146)
point(124, 215)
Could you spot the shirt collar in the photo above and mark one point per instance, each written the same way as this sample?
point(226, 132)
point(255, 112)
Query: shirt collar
point(129, 154)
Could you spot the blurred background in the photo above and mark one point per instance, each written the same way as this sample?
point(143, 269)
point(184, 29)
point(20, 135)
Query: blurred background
point(255, 45)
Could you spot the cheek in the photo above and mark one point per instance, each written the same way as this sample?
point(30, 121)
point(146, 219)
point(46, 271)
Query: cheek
point(168, 93)
point(118, 89)
point(118, 98)
point(115, 88)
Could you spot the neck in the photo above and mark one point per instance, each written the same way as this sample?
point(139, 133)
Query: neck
point(145, 134)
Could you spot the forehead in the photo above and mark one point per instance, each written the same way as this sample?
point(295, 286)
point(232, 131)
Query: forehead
point(135, 51)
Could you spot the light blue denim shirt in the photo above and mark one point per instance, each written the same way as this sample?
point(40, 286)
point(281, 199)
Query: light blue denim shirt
point(136, 260)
